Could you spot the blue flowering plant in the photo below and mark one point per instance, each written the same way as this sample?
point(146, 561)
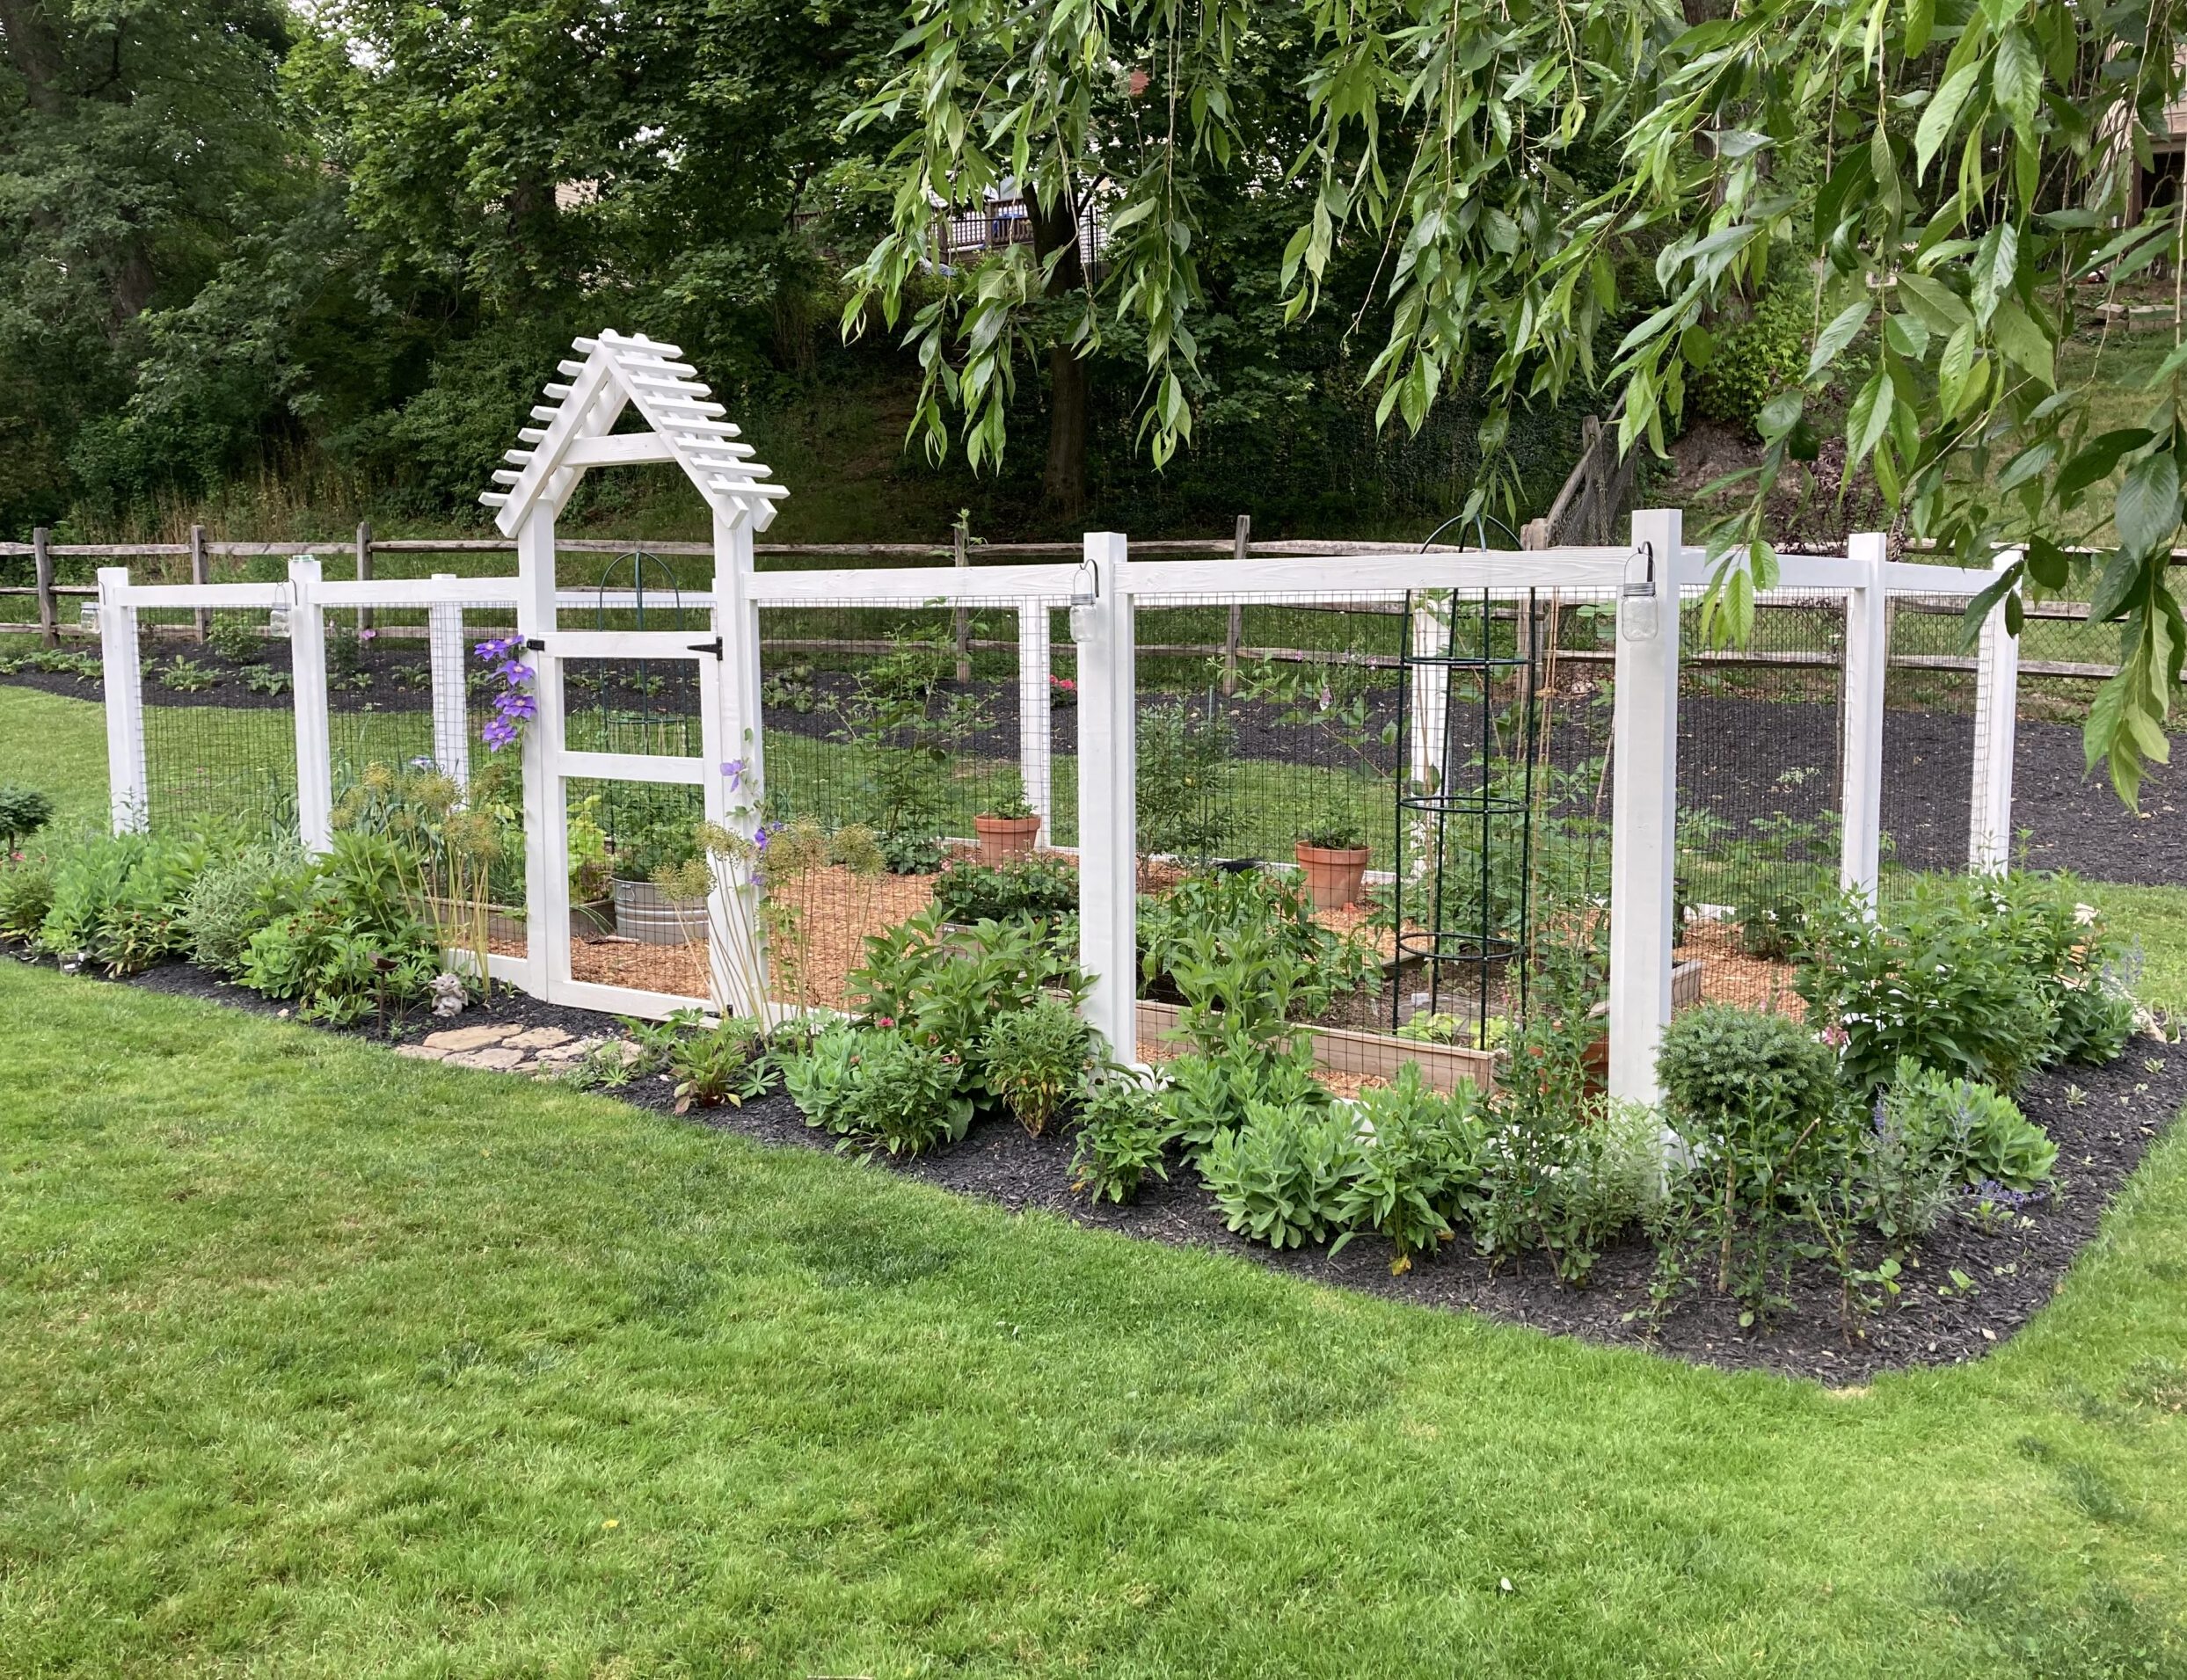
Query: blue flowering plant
point(514, 705)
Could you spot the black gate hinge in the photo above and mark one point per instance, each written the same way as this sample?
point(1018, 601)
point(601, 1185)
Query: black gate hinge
point(712, 647)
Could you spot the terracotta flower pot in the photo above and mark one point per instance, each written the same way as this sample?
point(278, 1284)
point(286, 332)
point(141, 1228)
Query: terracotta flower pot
point(1004, 838)
point(1333, 874)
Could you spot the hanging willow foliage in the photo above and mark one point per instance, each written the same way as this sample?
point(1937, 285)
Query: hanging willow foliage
point(1954, 179)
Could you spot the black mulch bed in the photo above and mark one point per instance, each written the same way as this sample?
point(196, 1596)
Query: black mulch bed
point(2104, 1121)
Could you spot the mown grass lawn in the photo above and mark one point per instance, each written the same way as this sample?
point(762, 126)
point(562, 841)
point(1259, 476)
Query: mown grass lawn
point(317, 1361)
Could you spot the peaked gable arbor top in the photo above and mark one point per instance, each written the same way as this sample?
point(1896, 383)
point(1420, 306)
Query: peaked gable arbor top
point(576, 431)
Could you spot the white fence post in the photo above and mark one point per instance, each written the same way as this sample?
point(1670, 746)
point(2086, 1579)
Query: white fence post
point(1867, 661)
point(1430, 700)
point(444, 642)
point(546, 810)
point(730, 729)
point(1034, 716)
point(128, 794)
point(1644, 811)
point(315, 739)
point(1108, 795)
point(1996, 715)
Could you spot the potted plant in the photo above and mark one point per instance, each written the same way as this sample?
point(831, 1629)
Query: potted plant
point(1009, 826)
point(643, 911)
point(1334, 858)
point(591, 908)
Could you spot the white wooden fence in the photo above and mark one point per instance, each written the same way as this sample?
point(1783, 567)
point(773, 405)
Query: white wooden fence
point(1103, 591)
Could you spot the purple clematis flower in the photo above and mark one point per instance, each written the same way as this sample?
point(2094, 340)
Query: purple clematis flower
point(734, 770)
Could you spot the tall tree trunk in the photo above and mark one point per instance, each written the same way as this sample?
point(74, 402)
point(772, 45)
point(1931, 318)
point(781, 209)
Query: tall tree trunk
point(34, 49)
point(1063, 487)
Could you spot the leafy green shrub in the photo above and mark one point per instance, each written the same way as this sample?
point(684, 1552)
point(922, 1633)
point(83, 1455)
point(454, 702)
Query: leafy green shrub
point(1027, 888)
point(118, 899)
point(904, 729)
point(1006, 798)
point(2080, 965)
point(1417, 1161)
point(1553, 1175)
point(879, 1089)
point(1208, 1094)
point(1035, 1059)
point(23, 812)
point(25, 895)
point(233, 897)
point(1757, 358)
point(1279, 1177)
point(2094, 1023)
point(1767, 1133)
point(1184, 756)
point(1242, 951)
point(1950, 978)
point(1122, 1129)
point(1771, 928)
point(1982, 1135)
point(946, 987)
point(235, 639)
point(719, 1065)
point(354, 945)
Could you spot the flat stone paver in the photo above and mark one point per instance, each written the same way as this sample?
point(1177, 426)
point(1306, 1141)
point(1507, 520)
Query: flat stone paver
point(539, 1038)
point(465, 1038)
point(499, 1058)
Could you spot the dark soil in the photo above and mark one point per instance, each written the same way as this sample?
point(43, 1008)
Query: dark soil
point(2102, 1137)
point(2104, 1121)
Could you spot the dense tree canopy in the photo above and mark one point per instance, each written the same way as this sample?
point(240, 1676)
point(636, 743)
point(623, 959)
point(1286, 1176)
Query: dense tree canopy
point(356, 230)
point(1951, 179)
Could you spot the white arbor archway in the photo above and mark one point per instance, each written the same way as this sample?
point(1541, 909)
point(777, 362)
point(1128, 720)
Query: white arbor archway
point(576, 433)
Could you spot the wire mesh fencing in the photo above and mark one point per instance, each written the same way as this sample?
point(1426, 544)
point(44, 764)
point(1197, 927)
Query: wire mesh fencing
point(218, 696)
point(1389, 810)
point(911, 760)
point(1762, 731)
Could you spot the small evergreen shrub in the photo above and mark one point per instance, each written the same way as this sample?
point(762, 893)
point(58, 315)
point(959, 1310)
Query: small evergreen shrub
point(23, 812)
point(1720, 1063)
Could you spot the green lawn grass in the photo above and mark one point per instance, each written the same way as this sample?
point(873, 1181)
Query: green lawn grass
point(58, 746)
point(316, 1361)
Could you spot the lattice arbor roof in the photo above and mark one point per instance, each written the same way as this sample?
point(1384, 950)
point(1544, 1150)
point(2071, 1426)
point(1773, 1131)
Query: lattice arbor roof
point(576, 431)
